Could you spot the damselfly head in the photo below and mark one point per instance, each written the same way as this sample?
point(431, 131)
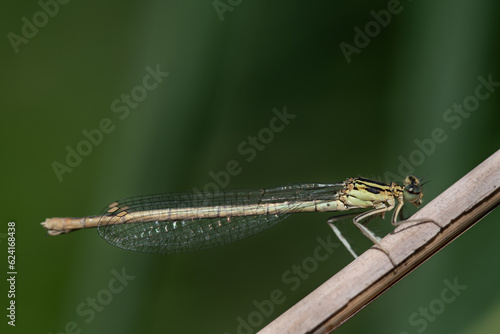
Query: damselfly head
point(412, 192)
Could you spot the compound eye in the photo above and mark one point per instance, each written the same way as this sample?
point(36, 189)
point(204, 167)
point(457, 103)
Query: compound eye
point(413, 189)
point(412, 192)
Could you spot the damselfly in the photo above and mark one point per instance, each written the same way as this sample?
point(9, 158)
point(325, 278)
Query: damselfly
point(185, 222)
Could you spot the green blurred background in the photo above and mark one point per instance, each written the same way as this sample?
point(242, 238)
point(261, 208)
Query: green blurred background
point(225, 78)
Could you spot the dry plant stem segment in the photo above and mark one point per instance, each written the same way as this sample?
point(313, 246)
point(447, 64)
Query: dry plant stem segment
point(455, 210)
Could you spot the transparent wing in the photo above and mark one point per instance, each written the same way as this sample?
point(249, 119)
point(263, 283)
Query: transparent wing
point(194, 233)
